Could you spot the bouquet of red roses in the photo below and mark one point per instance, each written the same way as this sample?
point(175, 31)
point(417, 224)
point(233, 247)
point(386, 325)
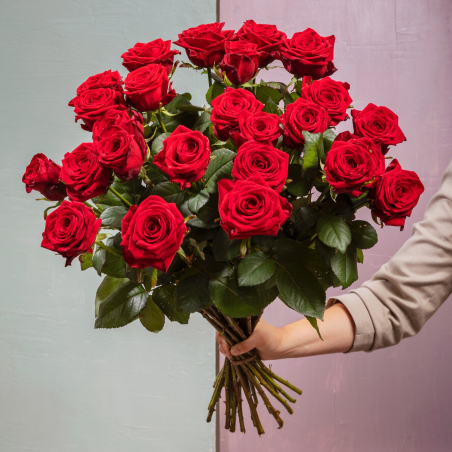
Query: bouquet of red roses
point(223, 208)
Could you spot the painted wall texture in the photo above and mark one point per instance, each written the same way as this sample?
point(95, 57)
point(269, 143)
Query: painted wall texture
point(396, 53)
point(63, 385)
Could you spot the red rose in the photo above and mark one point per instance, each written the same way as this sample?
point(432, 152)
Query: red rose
point(83, 175)
point(331, 95)
point(227, 107)
point(257, 158)
point(152, 233)
point(379, 124)
point(43, 175)
point(267, 38)
point(184, 157)
point(303, 115)
point(396, 194)
point(204, 44)
point(240, 62)
point(345, 136)
point(108, 79)
point(92, 104)
point(115, 117)
point(148, 87)
point(155, 52)
point(70, 230)
point(123, 149)
point(259, 126)
point(250, 207)
point(352, 166)
point(307, 53)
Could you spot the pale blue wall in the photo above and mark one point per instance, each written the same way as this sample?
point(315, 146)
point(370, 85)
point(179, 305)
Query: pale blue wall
point(63, 385)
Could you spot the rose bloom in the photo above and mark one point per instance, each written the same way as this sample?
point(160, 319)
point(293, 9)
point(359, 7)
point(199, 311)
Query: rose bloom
point(263, 159)
point(307, 54)
point(204, 44)
point(108, 79)
point(184, 157)
point(83, 175)
point(227, 107)
point(267, 38)
point(352, 166)
point(152, 233)
point(115, 117)
point(123, 149)
point(303, 115)
point(395, 195)
point(154, 52)
point(331, 95)
point(260, 126)
point(70, 230)
point(43, 175)
point(379, 124)
point(92, 104)
point(148, 87)
point(240, 62)
point(250, 207)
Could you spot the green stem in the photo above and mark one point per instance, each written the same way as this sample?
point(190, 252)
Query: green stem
point(124, 200)
point(92, 207)
point(209, 75)
point(322, 196)
point(162, 125)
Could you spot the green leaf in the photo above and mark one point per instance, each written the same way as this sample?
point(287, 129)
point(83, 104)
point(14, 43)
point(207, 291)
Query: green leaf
point(99, 259)
point(214, 91)
point(122, 306)
point(193, 293)
point(165, 298)
point(168, 191)
point(223, 248)
point(306, 217)
point(219, 168)
point(157, 144)
point(152, 317)
point(203, 122)
point(264, 93)
point(312, 151)
point(333, 231)
point(263, 242)
point(299, 187)
point(271, 107)
point(208, 213)
point(344, 266)
point(199, 200)
point(328, 138)
point(314, 324)
point(106, 288)
point(86, 261)
point(113, 216)
point(364, 234)
point(190, 108)
point(255, 268)
point(155, 175)
point(359, 255)
point(114, 266)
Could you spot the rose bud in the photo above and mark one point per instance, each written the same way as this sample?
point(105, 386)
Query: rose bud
point(250, 207)
point(152, 233)
point(395, 195)
point(115, 117)
point(184, 157)
point(70, 230)
point(352, 166)
point(303, 115)
point(379, 124)
point(154, 52)
point(240, 62)
point(42, 175)
point(148, 87)
point(108, 79)
point(307, 54)
point(263, 159)
point(259, 126)
point(83, 175)
point(267, 38)
point(92, 104)
point(204, 44)
point(123, 149)
point(227, 107)
point(331, 95)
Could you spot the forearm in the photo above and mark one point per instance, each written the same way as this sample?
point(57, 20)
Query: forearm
point(299, 339)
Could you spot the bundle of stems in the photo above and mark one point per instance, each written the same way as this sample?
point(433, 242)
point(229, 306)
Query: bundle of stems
point(245, 373)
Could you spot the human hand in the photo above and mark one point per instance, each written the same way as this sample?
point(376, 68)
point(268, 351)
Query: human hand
point(266, 339)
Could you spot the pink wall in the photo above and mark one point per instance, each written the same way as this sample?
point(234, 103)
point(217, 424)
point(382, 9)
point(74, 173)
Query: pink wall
point(397, 54)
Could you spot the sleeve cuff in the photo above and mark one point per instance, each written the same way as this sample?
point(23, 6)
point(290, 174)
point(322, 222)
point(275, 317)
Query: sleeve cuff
point(364, 328)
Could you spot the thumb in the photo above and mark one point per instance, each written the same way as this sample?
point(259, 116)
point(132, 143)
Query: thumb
point(246, 345)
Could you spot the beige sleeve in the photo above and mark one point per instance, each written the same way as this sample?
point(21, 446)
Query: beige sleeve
point(408, 290)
